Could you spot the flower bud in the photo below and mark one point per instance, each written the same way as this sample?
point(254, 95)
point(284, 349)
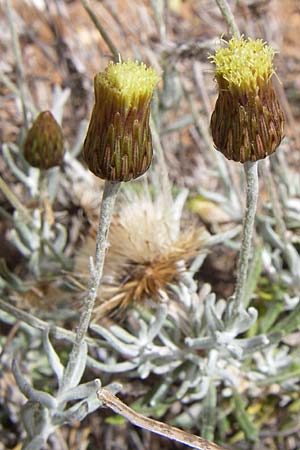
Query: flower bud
point(44, 147)
point(247, 123)
point(118, 144)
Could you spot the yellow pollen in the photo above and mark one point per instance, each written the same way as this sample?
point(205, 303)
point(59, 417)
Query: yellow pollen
point(244, 63)
point(130, 79)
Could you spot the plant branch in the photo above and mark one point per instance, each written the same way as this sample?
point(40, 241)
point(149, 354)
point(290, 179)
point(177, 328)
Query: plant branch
point(166, 186)
point(100, 28)
point(14, 201)
point(173, 433)
point(19, 62)
point(273, 193)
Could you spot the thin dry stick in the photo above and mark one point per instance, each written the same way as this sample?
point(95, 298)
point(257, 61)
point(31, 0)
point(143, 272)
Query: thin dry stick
point(159, 7)
point(13, 88)
point(19, 63)
point(166, 186)
point(173, 433)
point(273, 193)
point(101, 29)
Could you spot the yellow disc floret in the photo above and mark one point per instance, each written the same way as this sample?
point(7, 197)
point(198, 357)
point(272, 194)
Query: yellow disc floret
point(244, 64)
point(130, 80)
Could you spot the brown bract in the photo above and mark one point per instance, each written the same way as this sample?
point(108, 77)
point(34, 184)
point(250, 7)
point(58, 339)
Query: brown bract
point(118, 145)
point(247, 127)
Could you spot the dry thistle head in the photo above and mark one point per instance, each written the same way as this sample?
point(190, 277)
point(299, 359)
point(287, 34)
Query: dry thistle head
point(118, 145)
point(44, 146)
point(247, 123)
point(147, 254)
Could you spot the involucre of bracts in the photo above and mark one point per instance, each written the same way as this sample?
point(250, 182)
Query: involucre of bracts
point(247, 122)
point(118, 145)
point(44, 146)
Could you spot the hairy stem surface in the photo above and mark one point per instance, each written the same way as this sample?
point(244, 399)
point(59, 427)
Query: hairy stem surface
point(248, 224)
point(107, 206)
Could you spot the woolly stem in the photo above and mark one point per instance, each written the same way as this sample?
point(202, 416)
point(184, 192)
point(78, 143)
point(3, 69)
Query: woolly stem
point(108, 201)
point(107, 206)
point(228, 17)
point(248, 224)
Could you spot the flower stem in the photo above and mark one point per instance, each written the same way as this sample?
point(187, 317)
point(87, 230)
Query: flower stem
point(251, 202)
point(107, 206)
point(108, 201)
point(228, 17)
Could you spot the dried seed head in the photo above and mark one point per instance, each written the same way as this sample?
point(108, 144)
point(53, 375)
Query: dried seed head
point(247, 123)
point(118, 145)
point(44, 147)
point(148, 252)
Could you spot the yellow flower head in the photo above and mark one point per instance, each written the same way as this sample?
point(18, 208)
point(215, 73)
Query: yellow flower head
point(130, 81)
point(118, 145)
point(247, 122)
point(244, 64)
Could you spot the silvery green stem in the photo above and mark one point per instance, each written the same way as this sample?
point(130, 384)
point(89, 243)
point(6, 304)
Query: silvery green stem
point(107, 206)
point(158, 7)
point(26, 180)
point(18, 57)
point(14, 90)
point(101, 30)
point(41, 197)
point(248, 224)
point(228, 17)
point(38, 324)
point(14, 201)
